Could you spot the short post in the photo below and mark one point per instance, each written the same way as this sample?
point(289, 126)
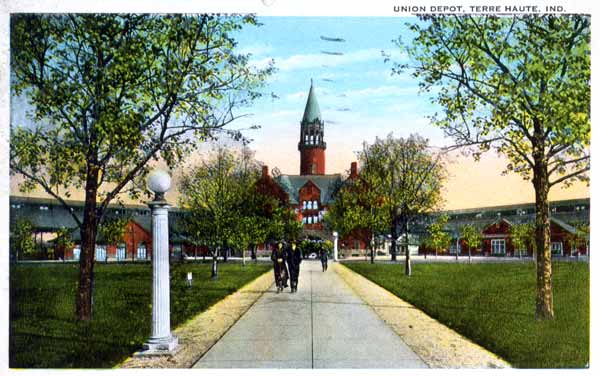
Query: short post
point(335, 245)
point(162, 341)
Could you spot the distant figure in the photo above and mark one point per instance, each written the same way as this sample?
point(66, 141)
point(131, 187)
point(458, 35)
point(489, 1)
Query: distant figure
point(324, 259)
point(294, 258)
point(279, 267)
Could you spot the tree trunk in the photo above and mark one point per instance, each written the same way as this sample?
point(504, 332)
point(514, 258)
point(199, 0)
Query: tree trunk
point(544, 306)
point(253, 252)
point(394, 232)
point(457, 248)
point(215, 261)
point(407, 265)
point(88, 232)
point(469, 254)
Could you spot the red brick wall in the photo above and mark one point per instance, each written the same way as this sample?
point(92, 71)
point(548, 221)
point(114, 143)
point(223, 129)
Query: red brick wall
point(310, 192)
point(311, 156)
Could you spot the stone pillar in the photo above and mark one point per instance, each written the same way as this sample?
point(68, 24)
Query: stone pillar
point(161, 342)
point(335, 246)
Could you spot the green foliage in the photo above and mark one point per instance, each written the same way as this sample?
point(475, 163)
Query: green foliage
point(522, 236)
point(519, 85)
point(226, 210)
point(356, 210)
point(491, 304)
point(109, 93)
point(43, 333)
point(64, 239)
point(21, 239)
point(112, 231)
point(471, 236)
point(438, 238)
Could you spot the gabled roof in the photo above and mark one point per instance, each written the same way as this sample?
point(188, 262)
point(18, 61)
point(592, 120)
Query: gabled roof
point(312, 112)
point(564, 225)
point(326, 184)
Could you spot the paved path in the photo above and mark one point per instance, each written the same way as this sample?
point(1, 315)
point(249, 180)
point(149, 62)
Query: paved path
point(324, 325)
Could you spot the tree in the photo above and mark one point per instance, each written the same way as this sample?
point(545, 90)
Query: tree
point(580, 238)
point(522, 236)
point(357, 211)
point(63, 239)
point(438, 238)
point(21, 239)
point(215, 193)
point(110, 93)
point(112, 231)
point(407, 176)
point(519, 85)
point(472, 237)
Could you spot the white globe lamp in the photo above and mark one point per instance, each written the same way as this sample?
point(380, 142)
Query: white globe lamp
point(159, 182)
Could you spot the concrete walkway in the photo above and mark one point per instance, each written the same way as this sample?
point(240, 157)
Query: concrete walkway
point(324, 325)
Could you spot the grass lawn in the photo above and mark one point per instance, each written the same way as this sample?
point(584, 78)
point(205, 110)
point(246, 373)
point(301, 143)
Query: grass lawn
point(45, 334)
point(494, 304)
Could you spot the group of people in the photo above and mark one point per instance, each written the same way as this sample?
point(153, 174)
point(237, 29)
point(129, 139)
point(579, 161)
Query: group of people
point(286, 264)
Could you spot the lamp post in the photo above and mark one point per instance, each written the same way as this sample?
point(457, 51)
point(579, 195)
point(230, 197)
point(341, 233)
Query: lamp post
point(335, 245)
point(161, 342)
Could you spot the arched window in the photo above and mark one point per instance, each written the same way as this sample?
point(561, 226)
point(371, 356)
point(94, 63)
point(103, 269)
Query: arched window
point(306, 138)
point(309, 205)
point(315, 205)
point(312, 140)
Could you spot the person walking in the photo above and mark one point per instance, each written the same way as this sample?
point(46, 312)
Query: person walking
point(279, 267)
point(294, 258)
point(324, 259)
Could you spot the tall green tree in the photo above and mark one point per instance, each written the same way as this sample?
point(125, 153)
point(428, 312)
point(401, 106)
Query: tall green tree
point(519, 85)
point(522, 236)
point(438, 238)
point(21, 238)
point(358, 212)
point(214, 194)
point(472, 237)
point(110, 93)
point(64, 239)
point(406, 176)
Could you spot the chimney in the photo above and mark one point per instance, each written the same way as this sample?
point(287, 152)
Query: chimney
point(265, 171)
point(353, 169)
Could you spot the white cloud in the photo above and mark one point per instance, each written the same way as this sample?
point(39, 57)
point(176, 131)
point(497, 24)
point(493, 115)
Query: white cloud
point(258, 49)
point(308, 61)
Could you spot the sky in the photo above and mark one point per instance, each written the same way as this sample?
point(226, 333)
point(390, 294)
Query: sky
point(359, 100)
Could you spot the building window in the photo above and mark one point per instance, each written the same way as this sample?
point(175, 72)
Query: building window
point(557, 248)
point(303, 220)
point(304, 203)
point(313, 168)
point(121, 252)
point(356, 244)
point(315, 205)
point(309, 219)
point(100, 253)
point(498, 247)
point(76, 253)
point(141, 251)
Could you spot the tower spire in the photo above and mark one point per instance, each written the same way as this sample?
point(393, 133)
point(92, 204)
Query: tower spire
point(312, 145)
